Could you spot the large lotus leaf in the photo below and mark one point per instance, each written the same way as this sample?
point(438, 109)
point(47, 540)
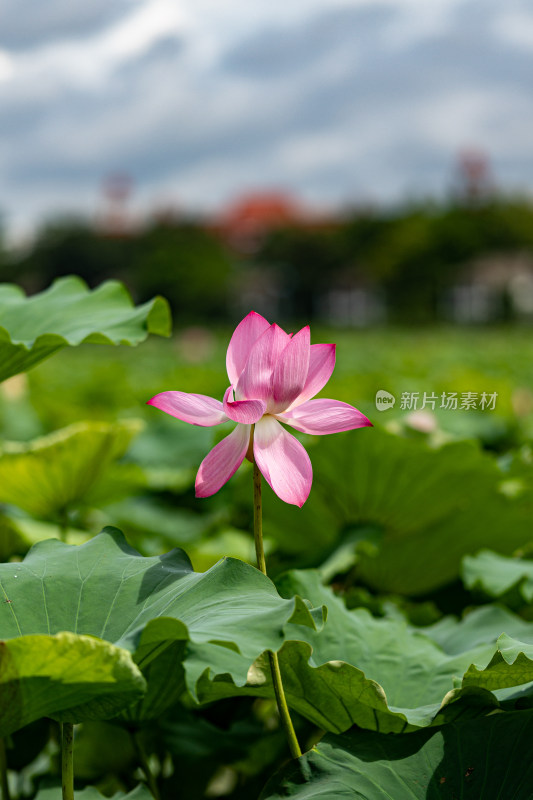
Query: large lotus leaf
point(497, 575)
point(69, 677)
point(141, 792)
point(511, 665)
point(226, 617)
point(165, 678)
point(67, 313)
point(482, 759)
point(483, 625)
point(379, 673)
point(427, 507)
point(49, 475)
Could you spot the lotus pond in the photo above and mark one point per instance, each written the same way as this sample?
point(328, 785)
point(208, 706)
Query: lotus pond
point(137, 632)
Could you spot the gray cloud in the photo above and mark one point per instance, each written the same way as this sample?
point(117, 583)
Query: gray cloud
point(344, 105)
point(280, 52)
point(25, 24)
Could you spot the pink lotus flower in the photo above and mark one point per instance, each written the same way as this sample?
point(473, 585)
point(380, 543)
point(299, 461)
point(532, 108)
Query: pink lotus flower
point(273, 377)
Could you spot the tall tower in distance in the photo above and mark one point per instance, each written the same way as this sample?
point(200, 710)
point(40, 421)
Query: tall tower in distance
point(117, 189)
point(474, 179)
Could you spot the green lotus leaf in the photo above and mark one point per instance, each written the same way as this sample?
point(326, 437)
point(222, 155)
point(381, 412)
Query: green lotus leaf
point(165, 678)
point(511, 665)
point(141, 792)
point(481, 759)
point(69, 314)
point(53, 473)
point(65, 676)
point(380, 674)
point(483, 625)
point(222, 619)
point(420, 510)
point(497, 575)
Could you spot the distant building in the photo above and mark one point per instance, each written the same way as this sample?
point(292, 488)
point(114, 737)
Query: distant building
point(494, 287)
point(115, 219)
point(355, 307)
point(246, 222)
point(474, 182)
point(352, 302)
point(244, 226)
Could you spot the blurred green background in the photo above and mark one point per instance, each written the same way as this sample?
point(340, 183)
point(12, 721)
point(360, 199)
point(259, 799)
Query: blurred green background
point(432, 300)
point(467, 260)
point(428, 302)
point(393, 508)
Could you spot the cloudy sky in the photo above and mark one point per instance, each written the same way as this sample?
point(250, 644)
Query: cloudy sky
point(336, 101)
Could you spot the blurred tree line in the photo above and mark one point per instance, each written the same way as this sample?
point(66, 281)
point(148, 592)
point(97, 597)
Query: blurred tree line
point(411, 256)
point(181, 261)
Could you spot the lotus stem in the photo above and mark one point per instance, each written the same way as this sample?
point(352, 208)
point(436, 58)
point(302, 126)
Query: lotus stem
point(67, 760)
point(281, 701)
point(3, 770)
point(63, 525)
point(144, 765)
point(258, 522)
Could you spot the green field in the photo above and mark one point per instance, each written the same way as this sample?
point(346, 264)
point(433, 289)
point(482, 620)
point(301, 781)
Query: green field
point(97, 383)
point(113, 384)
point(426, 515)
